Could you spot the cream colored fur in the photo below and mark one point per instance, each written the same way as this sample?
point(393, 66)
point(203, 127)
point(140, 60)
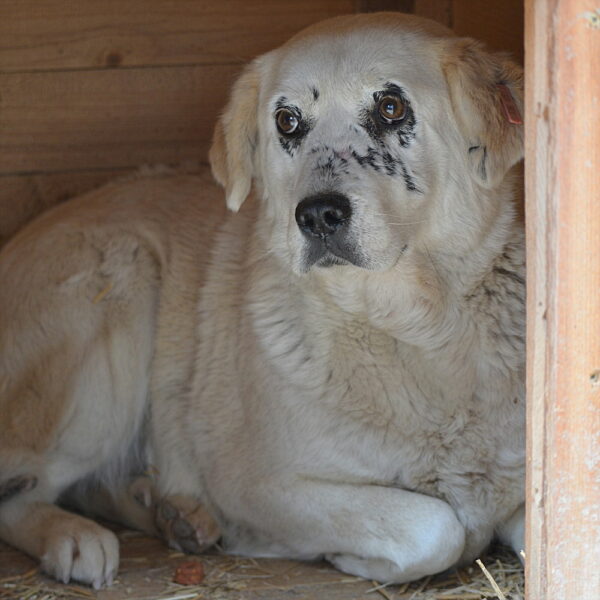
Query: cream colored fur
point(373, 415)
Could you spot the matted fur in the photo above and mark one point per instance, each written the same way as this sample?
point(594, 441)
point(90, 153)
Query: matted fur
point(371, 411)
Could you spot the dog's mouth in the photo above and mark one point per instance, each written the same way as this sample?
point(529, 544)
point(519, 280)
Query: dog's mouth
point(324, 252)
point(330, 260)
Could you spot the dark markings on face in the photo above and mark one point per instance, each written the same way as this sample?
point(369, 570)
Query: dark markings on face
point(408, 180)
point(379, 157)
point(383, 160)
point(378, 128)
point(384, 135)
point(330, 164)
point(367, 160)
point(291, 142)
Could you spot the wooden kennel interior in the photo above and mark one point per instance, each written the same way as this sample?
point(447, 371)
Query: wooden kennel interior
point(91, 89)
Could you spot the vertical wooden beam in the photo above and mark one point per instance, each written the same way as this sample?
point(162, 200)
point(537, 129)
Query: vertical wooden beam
point(562, 61)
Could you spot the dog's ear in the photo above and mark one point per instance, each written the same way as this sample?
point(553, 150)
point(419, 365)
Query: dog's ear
point(486, 91)
point(235, 138)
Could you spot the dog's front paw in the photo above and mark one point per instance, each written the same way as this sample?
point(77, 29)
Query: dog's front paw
point(185, 524)
point(81, 550)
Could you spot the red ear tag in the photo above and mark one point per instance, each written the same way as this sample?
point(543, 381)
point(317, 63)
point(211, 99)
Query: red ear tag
point(511, 110)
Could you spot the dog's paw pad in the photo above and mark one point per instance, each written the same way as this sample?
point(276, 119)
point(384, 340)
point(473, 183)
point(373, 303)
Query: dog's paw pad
point(182, 529)
point(188, 539)
point(185, 525)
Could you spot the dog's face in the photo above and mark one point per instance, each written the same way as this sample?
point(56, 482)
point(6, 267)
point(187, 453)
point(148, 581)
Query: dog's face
point(360, 133)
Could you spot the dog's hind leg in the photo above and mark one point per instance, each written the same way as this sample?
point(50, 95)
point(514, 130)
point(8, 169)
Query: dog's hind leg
point(67, 545)
point(76, 341)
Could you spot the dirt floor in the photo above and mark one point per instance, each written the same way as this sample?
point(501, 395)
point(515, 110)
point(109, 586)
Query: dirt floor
point(147, 570)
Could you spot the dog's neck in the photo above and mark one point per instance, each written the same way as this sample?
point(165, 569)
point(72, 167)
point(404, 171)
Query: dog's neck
point(425, 299)
point(414, 299)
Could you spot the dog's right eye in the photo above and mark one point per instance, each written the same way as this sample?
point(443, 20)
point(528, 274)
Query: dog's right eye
point(287, 121)
point(391, 108)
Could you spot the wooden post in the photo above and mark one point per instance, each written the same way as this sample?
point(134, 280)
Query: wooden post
point(562, 64)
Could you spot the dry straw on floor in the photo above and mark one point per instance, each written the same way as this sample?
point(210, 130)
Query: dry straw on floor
point(150, 577)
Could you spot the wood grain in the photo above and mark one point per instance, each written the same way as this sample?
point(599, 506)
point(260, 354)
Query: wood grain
point(438, 10)
point(406, 6)
point(498, 24)
point(563, 239)
point(24, 197)
point(84, 34)
point(100, 86)
point(106, 119)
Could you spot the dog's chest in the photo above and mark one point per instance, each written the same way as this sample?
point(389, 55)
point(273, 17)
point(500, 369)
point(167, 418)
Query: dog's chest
point(362, 370)
point(380, 382)
point(420, 429)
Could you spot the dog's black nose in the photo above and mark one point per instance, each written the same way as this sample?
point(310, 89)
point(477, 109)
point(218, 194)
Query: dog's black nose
point(323, 214)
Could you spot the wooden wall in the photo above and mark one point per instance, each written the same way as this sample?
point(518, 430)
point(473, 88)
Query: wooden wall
point(90, 89)
point(563, 299)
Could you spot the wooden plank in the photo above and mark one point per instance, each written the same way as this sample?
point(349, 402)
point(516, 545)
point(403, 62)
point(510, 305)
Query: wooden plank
point(406, 6)
point(563, 229)
point(24, 197)
point(56, 121)
point(59, 34)
point(498, 24)
point(438, 10)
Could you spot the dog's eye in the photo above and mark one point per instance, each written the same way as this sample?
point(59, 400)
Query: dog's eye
point(391, 108)
point(287, 121)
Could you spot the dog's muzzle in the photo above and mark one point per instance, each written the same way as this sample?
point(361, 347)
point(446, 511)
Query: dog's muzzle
point(324, 219)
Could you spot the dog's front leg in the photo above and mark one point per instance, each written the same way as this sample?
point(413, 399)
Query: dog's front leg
point(381, 533)
point(512, 532)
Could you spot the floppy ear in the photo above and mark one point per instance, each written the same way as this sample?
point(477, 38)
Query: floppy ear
point(486, 91)
point(234, 139)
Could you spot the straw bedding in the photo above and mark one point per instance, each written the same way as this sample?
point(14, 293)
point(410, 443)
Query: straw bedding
point(147, 571)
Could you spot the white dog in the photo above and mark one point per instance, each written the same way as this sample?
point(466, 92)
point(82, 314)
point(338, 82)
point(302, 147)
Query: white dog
point(336, 371)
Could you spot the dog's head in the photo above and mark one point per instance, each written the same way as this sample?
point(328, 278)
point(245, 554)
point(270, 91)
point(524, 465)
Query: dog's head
point(369, 134)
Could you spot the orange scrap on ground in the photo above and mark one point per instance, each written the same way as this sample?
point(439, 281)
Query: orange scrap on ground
point(189, 573)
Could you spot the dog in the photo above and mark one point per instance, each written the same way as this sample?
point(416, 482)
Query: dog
point(336, 371)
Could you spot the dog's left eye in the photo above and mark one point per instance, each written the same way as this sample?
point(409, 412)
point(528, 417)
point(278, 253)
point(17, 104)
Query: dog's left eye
point(287, 121)
point(391, 108)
